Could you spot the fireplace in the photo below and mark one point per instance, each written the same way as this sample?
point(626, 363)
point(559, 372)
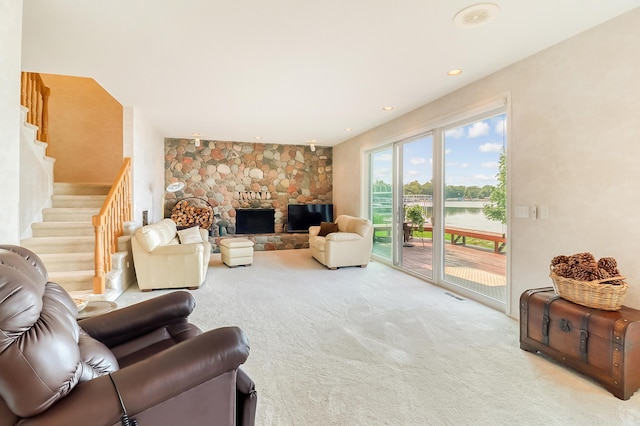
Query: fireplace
point(255, 221)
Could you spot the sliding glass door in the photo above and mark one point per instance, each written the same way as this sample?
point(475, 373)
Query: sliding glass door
point(415, 252)
point(381, 206)
point(474, 206)
point(438, 205)
point(402, 204)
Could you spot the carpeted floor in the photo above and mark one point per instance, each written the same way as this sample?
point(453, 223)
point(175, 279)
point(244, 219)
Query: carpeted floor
point(375, 346)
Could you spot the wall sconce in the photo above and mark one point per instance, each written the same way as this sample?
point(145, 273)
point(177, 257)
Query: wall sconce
point(313, 147)
point(175, 187)
point(196, 139)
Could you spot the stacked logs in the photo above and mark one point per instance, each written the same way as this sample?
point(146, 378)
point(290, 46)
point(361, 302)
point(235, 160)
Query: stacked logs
point(584, 267)
point(186, 214)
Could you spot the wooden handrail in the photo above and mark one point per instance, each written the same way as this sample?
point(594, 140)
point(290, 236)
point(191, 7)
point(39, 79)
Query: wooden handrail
point(109, 224)
point(34, 95)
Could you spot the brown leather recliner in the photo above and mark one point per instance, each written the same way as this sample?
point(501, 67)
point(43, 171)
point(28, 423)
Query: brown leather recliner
point(145, 359)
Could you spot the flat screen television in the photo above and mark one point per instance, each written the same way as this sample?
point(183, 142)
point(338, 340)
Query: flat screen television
point(301, 216)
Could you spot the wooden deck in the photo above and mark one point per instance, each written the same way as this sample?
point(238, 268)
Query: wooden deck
point(477, 269)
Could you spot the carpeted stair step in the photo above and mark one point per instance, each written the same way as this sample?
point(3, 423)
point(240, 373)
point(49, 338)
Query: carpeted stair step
point(57, 262)
point(62, 229)
point(69, 214)
point(76, 201)
point(62, 188)
point(73, 280)
point(44, 245)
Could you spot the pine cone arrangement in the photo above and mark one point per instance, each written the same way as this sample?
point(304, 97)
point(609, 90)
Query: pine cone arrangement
point(585, 267)
point(610, 265)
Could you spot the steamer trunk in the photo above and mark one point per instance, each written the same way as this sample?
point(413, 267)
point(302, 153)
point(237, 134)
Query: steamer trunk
point(604, 345)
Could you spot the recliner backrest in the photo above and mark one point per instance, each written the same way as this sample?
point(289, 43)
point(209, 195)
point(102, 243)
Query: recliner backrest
point(43, 351)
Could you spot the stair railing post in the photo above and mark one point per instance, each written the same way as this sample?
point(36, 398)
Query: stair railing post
point(99, 277)
point(45, 114)
point(108, 226)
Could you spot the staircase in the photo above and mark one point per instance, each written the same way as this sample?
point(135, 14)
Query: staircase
point(65, 241)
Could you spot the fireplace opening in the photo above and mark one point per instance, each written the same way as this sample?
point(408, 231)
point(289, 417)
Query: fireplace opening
point(255, 221)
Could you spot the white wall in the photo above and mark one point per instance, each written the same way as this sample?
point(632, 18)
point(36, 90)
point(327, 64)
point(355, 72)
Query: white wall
point(574, 146)
point(145, 146)
point(36, 178)
point(10, 60)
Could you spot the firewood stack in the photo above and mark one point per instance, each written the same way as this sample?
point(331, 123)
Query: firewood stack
point(185, 213)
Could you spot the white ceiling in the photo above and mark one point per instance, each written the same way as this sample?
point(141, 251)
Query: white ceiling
point(288, 70)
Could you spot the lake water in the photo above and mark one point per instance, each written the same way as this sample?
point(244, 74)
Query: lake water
point(458, 214)
point(469, 215)
point(466, 214)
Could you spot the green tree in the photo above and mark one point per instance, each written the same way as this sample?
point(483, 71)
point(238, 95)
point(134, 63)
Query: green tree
point(497, 208)
point(413, 188)
point(472, 192)
point(381, 186)
point(452, 191)
point(486, 191)
point(427, 188)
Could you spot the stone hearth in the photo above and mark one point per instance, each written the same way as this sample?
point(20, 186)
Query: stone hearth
point(266, 242)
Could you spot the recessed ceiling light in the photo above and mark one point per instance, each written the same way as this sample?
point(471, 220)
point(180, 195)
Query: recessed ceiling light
point(476, 15)
point(258, 137)
point(454, 72)
point(348, 129)
point(387, 108)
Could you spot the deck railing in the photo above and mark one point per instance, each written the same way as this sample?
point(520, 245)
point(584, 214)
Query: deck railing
point(35, 96)
point(109, 224)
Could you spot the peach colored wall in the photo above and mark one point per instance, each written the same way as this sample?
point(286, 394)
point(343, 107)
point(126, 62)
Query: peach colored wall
point(85, 130)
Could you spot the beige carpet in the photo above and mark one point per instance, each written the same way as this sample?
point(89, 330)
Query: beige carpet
point(375, 346)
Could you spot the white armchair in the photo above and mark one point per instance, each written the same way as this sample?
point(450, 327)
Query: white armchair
point(348, 245)
point(164, 259)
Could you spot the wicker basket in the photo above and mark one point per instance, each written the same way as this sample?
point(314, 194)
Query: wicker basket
point(593, 294)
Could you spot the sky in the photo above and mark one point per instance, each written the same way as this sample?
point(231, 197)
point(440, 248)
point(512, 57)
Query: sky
point(471, 154)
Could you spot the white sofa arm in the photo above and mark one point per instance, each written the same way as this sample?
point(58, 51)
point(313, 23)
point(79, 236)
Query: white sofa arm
point(343, 236)
point(178, 249)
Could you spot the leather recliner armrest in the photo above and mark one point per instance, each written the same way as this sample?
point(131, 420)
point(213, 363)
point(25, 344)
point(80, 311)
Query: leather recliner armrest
point(122, 325)
point(149, 383)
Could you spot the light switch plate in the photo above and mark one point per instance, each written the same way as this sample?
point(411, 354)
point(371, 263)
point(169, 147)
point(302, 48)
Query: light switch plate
point(544, 212)
point(521, 211)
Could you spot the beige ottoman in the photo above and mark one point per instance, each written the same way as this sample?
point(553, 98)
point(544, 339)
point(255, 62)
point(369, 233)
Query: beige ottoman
point(236, 251)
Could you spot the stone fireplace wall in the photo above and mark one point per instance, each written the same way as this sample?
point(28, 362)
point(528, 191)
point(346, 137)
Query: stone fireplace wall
point(233, 175)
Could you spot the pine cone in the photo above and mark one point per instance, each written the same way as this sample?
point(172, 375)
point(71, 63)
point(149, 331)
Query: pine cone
point(583, 273)
point(559, 259)
point(603, 274)
point(563, 270)
point(610, 264)
point(584, 259)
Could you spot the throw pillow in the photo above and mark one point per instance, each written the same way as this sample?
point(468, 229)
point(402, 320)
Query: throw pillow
point(190, 235)
point(326, 228)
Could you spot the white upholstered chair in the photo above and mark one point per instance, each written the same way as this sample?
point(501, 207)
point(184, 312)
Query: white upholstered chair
point(167, 258)
point(348, 243)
